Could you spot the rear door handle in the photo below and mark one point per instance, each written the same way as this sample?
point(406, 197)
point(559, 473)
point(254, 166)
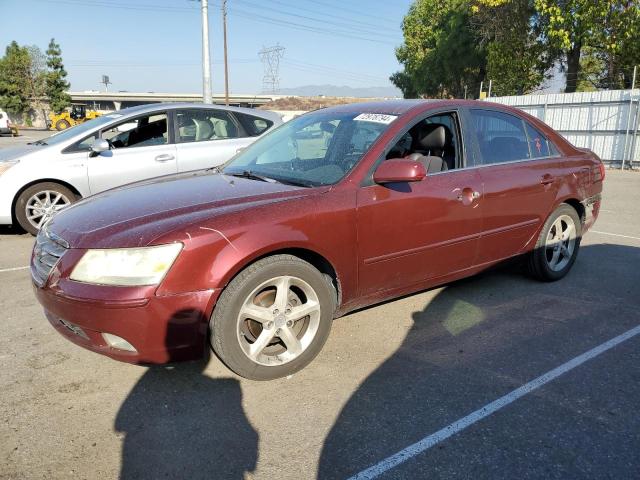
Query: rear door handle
point(547, 179)
point(165, 157)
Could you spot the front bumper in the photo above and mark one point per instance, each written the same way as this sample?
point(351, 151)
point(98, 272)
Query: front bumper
point(161, 329)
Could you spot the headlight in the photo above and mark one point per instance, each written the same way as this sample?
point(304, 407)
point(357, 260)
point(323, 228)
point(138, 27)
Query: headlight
point(4, 166)
point(126, 266)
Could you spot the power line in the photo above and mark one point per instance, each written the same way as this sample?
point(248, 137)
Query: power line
point(350, 25)
point(376, 26)
point(234, 12)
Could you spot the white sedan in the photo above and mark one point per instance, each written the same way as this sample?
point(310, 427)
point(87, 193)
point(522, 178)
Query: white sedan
point(137, 143)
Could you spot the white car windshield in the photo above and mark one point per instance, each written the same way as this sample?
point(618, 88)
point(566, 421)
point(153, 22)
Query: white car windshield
point(318, 148)
point(79, 129)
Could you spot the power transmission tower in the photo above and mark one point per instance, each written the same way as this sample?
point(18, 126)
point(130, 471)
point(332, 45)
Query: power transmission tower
point(270, 57)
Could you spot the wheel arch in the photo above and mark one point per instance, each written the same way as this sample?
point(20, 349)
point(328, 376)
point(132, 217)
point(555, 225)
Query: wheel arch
point(311, 256)
point(573, 202)
point(68, 185)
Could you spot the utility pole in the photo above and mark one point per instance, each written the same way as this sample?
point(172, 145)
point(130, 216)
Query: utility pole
point(206, 61)
point(226, 65)
point(465, 92)
point(626, 135)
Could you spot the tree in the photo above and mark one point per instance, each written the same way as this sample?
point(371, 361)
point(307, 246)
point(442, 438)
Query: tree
point(439, 55)
point(607, 29)
point(518, 61)
point(14, 74)
point(56, 84)
point(37, 79)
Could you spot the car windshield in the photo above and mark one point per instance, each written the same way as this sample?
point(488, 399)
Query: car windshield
point(315, 149)
point(79, 129)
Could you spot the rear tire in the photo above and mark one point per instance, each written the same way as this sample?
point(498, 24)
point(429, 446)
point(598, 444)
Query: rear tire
point(557, 246)
point(250, 332)
point(39, 202)
point(62, 125)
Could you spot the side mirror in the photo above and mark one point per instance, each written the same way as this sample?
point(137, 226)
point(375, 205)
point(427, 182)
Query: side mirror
point(399, 170)
point(99, 146)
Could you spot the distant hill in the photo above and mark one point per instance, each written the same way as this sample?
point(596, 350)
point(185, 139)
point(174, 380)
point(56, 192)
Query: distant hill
point(342, 91)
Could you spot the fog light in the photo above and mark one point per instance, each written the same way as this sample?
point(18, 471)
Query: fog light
point(120, 343)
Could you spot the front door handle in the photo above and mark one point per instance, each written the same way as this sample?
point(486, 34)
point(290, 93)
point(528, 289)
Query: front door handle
point(467, 195)
point(547, 179)
point(165, 157)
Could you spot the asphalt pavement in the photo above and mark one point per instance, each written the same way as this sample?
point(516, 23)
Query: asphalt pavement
point(389, 377)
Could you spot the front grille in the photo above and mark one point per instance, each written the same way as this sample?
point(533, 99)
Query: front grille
point(46, 253)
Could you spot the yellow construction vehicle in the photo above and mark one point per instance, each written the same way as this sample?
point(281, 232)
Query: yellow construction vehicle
point(77, 114)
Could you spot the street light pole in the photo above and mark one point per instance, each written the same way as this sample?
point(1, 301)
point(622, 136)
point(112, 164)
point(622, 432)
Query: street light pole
point(206, 62)
point(226, 65)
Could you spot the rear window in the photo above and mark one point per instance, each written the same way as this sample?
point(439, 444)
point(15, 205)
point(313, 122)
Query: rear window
point(501, 136)
point(253, 125)
point(538, 143)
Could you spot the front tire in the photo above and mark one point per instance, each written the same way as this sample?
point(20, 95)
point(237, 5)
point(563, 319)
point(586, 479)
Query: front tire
point(273, 318)
point(557, 246)
point(38, 203)
point(62, 125)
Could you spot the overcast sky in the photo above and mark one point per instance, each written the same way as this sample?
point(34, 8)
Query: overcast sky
point(155, 45)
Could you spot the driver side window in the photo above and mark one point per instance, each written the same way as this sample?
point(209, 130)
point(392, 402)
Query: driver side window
point(434, 141)
point(138, 132)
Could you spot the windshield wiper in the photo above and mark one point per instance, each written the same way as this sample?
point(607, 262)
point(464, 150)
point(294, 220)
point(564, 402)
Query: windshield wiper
point(252, 176)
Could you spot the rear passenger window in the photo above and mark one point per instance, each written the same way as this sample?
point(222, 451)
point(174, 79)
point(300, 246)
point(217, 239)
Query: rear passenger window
point(538, 143)
point(201, 125)
point(253, 125)
point(501, 136)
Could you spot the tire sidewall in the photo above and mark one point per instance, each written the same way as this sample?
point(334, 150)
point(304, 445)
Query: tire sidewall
point(540, 258)
point(62, 125)
point(223, 325)
point(20, 208)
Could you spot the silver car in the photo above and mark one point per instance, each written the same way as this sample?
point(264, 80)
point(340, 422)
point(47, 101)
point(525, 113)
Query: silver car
point(137, 143)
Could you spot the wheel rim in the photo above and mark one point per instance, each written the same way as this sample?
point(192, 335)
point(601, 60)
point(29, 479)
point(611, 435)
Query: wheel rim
point(561, 242)
point(278, 320)
point(43, 205)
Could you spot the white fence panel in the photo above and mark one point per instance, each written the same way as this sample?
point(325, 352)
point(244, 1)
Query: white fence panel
point(601, 121)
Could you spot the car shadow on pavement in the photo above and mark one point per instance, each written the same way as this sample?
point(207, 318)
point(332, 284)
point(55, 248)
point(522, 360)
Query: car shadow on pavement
point(477, 340)
point(182, 424)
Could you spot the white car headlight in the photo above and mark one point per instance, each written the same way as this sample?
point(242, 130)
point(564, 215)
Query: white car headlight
point(126, 266)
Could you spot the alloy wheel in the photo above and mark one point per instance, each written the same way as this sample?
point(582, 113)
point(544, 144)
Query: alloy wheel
point(560, 243)
point(41, 206)
point(278, 320)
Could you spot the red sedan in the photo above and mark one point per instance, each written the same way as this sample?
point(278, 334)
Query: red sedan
point(335, 210)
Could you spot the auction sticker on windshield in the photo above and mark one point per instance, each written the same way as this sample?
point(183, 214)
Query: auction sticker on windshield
point(376, 117)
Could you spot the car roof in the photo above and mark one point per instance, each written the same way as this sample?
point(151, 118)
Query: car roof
point(152, 107)
point(401, 107)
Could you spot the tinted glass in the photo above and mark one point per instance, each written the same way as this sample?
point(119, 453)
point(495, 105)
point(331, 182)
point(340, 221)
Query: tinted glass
point(253, 125)
point(501, 136)
point(315, 149)
point(203, 125)
point(138, 132)
point(538, 143)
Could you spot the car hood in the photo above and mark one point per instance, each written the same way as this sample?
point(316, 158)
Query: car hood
point(136, 214)
point(15, 153)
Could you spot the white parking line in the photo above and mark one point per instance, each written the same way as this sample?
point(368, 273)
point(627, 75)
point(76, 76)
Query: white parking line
point(12, 269)
point(459, 425)
point(615, 234)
